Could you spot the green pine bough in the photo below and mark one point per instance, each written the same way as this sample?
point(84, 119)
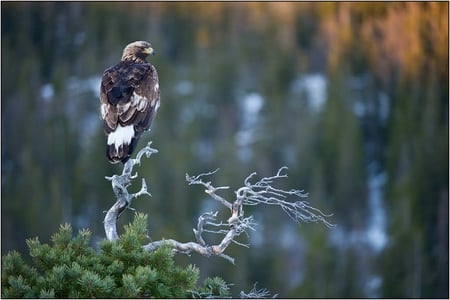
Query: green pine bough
point(70, 268)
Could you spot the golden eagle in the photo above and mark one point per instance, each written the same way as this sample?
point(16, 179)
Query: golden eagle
point(129, 99)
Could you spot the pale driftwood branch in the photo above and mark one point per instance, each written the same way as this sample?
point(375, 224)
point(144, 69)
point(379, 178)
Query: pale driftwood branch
point(201, 246)
point(210, 190)
point(256, 294)
point(259, 192)
point(120, 183)
point(252, 193)
point(263, 192)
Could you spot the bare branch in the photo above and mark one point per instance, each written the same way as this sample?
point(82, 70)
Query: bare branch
point(120, 183)
point(252, 193)
point(197, 180)
point(263, 192)
point(210, 190)
point(201, 247)
point(256, 294)
point(201, 222)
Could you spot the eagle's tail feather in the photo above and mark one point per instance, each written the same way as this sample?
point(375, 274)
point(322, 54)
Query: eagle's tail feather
point(121, 153)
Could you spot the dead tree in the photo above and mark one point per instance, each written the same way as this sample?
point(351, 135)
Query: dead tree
point(253, 192)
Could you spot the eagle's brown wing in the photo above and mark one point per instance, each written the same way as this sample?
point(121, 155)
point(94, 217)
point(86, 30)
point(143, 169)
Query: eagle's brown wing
point(129, 96)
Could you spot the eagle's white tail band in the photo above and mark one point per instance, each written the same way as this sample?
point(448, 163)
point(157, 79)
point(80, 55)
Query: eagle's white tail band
point(121, 136)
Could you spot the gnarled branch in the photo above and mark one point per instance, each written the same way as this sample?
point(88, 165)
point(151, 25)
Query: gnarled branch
point(256, 294)
point(120, 183)
point(252, 193)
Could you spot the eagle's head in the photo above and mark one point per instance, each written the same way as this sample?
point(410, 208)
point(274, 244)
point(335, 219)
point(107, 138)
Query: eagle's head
point(137, 51)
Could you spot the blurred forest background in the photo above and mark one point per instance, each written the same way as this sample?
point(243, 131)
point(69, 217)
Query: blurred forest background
point(352, 97)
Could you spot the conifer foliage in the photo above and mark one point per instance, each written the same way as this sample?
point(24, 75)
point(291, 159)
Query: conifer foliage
point(70, 268)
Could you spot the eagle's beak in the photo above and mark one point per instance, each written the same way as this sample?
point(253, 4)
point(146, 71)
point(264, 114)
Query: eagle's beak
point(149, 50)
